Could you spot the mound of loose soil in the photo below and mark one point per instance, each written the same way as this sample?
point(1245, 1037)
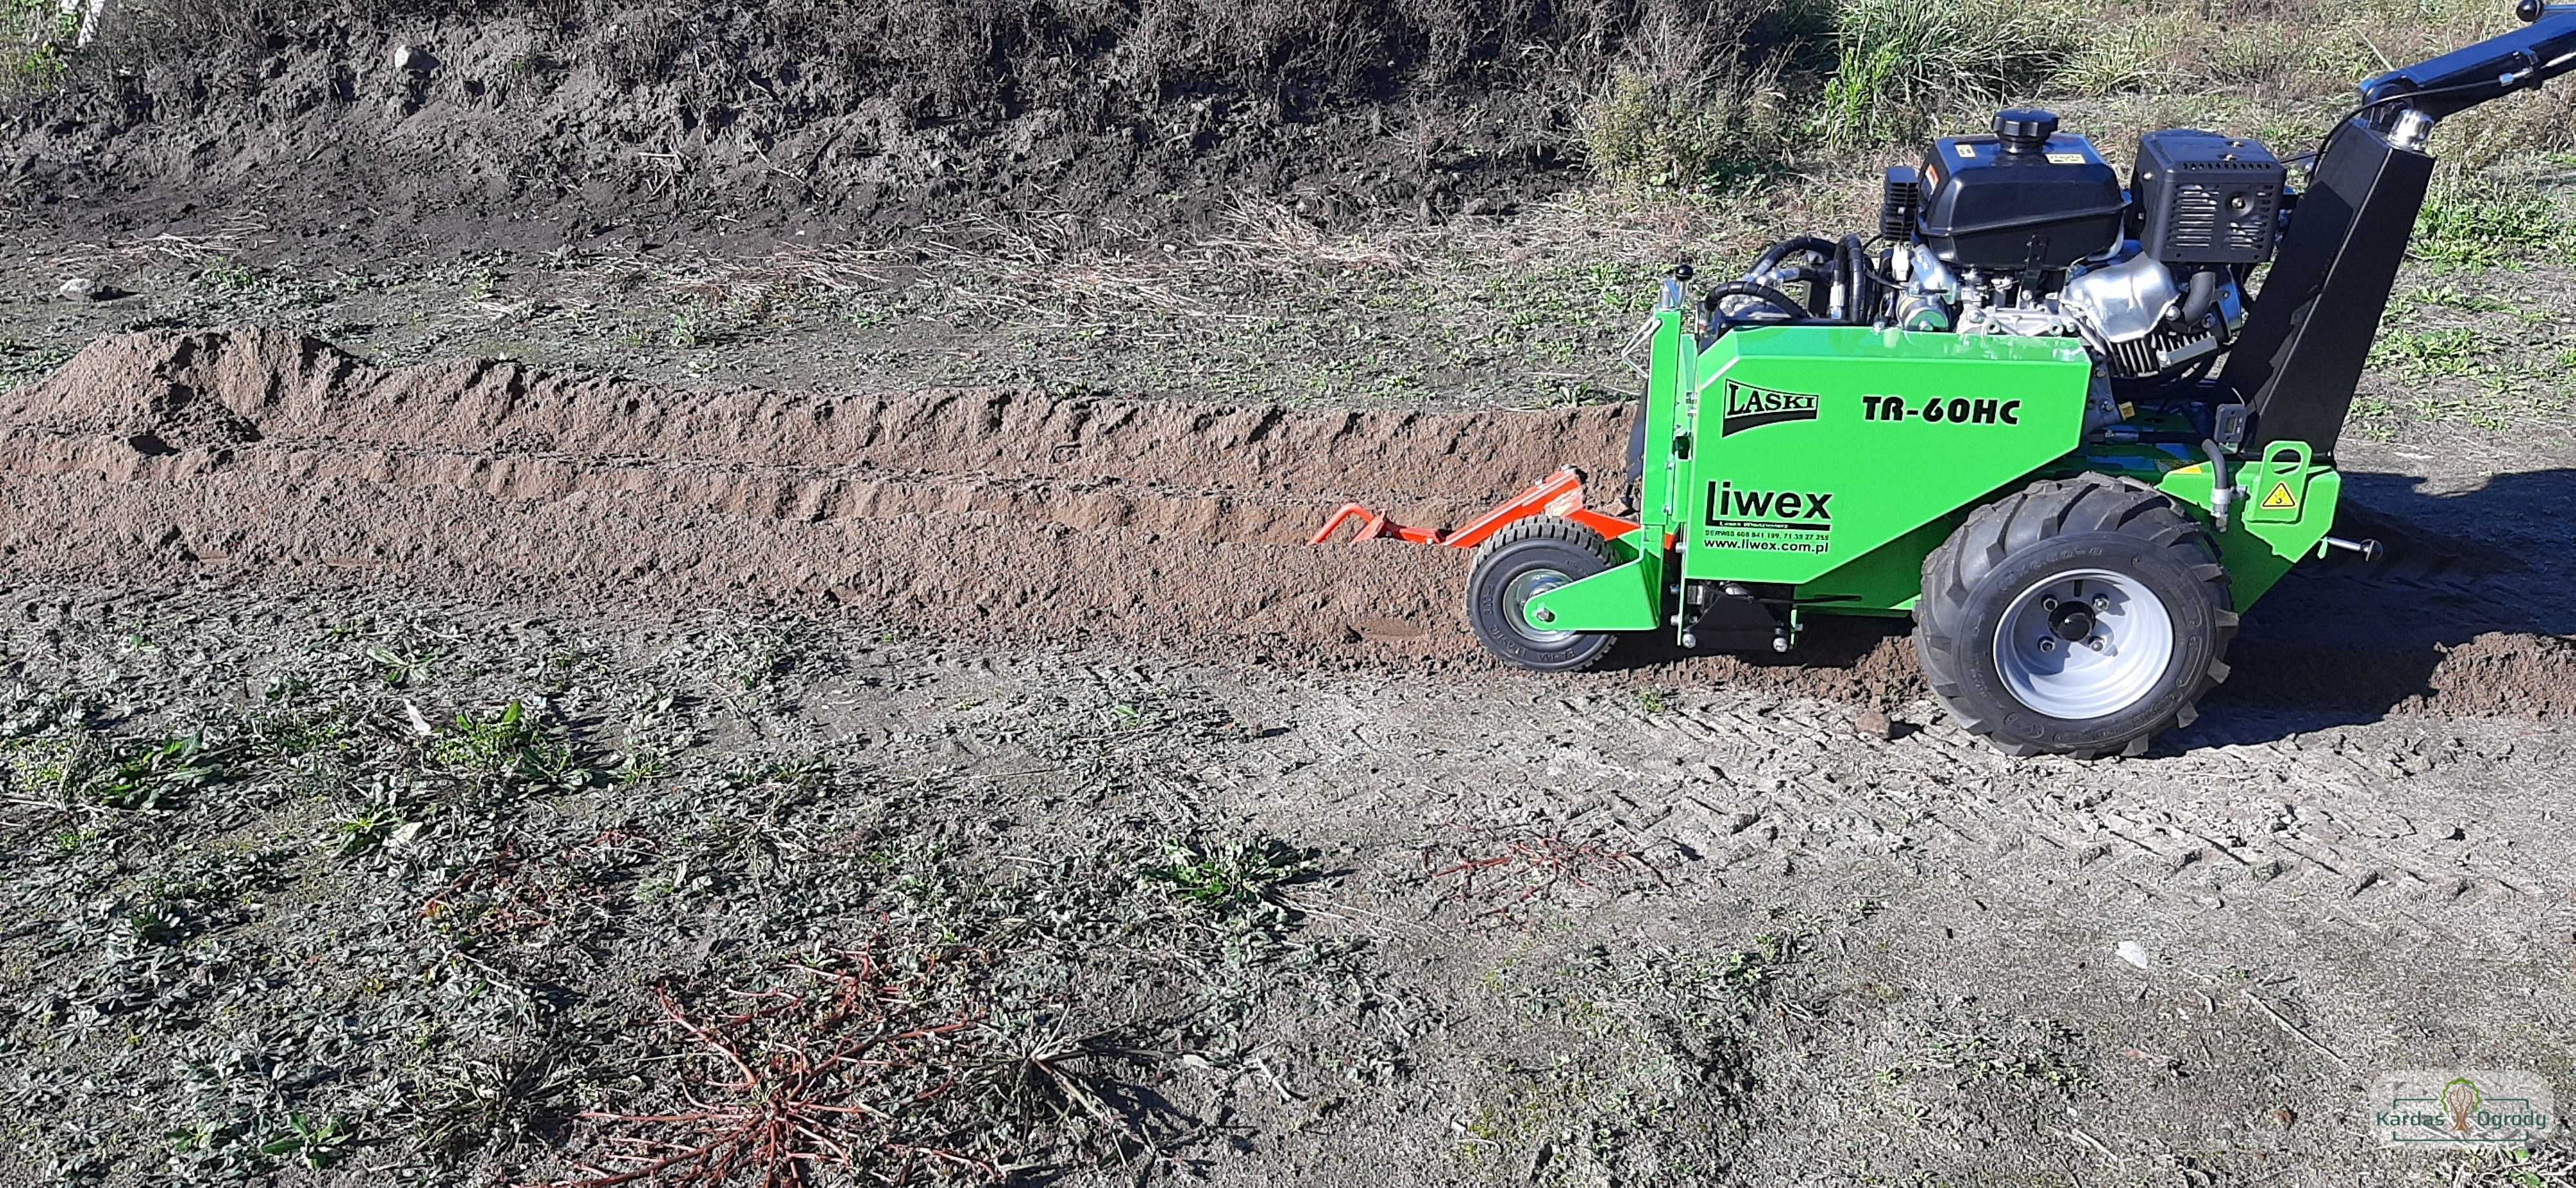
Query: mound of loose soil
point(267, 457)
point(259, 456)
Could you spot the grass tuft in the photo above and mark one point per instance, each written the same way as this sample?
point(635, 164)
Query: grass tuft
point(35, 36)
point(2472, 222)
point(1898, 65)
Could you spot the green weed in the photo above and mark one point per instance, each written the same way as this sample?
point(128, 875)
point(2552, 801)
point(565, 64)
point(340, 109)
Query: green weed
point(1677, 134)
point(1230, 879)
point(2431, 354)
point(316, 1146)
point(389, 818)
point(230, 276)
point(152, 778)
point(283, 734)
point(396, 669)
point(689, 329)
point(2454, 297)
point(799, 773)
point(507, 746)
point(42, 766)
point(2474, 223)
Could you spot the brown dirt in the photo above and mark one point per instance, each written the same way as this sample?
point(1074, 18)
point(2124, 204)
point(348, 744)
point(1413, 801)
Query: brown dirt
point(262, 456)
point(259, 457)
point(750, 120)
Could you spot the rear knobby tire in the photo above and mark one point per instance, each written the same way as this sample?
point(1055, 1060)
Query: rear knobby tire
point(1521, 561)
point(2043, 560)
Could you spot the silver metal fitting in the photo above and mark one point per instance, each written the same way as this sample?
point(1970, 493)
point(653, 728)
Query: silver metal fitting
point(2413, 128)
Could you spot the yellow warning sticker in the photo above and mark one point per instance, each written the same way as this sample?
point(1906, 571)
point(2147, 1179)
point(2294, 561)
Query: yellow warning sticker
point(2280, 497)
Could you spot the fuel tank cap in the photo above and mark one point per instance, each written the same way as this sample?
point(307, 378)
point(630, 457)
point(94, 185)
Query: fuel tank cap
point(2025, 130)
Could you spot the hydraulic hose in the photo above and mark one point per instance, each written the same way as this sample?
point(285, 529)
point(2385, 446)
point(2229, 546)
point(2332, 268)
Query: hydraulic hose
point(1838, 307)
point(2222, 493)
point(1851, 259)
point(1763, 293)
point(1819, 282)
point(1823, 249)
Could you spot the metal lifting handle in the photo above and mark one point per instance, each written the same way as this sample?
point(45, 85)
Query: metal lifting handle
point(2464, 78)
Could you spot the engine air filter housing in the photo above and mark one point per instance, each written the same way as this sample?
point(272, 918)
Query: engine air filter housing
point(2206, 198)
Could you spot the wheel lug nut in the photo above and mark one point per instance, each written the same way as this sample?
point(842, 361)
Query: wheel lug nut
point(2094, 643)
point(2101, 602)
point(2048, 645)
point(2048, 604)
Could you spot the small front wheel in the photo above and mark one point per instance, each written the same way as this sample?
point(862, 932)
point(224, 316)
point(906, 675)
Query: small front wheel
point(1520, 563)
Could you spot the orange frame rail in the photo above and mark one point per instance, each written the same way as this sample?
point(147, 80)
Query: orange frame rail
point(1559, 494)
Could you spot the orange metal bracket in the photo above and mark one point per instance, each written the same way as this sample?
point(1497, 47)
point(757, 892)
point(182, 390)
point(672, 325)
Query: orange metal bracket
point(1559, 494)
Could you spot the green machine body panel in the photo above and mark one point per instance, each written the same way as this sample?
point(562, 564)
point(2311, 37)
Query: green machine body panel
point(2288, 508)
point(1833, 460)
point(1810, 448)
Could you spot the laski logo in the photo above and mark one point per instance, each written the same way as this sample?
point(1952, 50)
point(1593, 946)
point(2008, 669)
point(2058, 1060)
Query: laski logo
point(1797, 511)
point(1749, 407)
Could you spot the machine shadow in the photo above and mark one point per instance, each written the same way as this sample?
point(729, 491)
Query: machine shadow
point(1829, 642)
point(2345, 642)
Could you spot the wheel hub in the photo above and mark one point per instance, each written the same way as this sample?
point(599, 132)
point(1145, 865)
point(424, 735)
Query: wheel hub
point(1516, 598)
point(2084, 644)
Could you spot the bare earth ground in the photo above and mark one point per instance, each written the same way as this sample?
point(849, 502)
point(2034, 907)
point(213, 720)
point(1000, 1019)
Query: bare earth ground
point(905, 675)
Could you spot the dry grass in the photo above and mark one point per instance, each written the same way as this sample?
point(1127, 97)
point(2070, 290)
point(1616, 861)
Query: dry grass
point(237, 232)
point(1504, 875)
point(1060, 268)
point(845, 1070)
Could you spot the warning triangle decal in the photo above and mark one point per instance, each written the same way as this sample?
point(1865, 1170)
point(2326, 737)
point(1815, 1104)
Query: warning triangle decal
point(2280, 497)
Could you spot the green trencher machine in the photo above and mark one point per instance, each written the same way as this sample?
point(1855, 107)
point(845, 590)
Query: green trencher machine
point(2042, 412)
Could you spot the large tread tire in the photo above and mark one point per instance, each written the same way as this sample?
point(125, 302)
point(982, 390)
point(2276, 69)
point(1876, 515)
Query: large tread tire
point(2094, 521)
point(1541, 543)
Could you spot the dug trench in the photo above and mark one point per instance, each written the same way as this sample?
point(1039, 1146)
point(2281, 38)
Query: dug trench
point(259, 458)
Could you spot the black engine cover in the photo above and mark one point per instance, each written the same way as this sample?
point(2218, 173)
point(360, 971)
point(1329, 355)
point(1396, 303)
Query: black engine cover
point(2025, 198)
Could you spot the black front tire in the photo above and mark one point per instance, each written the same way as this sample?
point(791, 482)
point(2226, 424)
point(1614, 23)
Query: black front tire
point(1520, 561)
point(2092, 523)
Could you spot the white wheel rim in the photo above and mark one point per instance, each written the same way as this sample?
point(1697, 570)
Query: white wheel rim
point(1516, 598)
point(2084, 644)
